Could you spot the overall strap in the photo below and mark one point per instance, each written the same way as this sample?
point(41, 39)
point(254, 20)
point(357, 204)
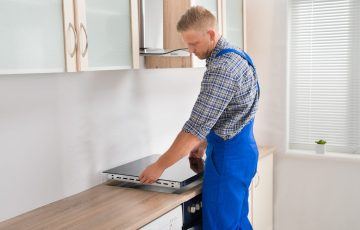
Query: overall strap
point(241, 53)
point(244, 56)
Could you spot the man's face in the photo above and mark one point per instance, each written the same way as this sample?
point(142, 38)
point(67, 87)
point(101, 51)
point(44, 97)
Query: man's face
point(198, 42)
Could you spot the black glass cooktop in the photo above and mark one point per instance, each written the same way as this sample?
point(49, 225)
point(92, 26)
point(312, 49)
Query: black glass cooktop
point(182, 173)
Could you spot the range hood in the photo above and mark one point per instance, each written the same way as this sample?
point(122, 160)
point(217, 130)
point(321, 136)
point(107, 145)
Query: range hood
point(164, 52)
point(151, 28)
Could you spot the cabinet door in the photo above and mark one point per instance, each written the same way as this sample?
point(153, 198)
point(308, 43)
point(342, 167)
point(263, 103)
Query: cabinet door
point(263, 195)
point(105, 31)
point(70, 35)
point(32, 39)
point(233, 22)
point(250, 200)
point(171, 221)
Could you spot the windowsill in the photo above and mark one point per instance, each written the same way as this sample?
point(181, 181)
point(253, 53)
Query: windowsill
point(327, 155)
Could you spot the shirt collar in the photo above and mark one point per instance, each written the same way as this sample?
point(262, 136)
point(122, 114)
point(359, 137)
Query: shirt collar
point(220, 45)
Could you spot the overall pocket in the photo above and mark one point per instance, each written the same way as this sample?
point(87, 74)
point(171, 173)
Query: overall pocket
point(212, 178)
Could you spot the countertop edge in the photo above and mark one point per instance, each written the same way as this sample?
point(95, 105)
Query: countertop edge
point(266, 150)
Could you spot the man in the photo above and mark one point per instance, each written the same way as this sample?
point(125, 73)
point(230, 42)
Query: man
point(221, 124)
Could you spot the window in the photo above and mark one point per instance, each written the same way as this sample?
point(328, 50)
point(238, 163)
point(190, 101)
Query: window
point(324, 74)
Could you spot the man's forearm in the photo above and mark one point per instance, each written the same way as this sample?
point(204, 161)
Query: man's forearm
point(182, 146)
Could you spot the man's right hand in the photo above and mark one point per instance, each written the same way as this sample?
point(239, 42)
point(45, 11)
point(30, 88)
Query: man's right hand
point(198, 151)
point(196, 164)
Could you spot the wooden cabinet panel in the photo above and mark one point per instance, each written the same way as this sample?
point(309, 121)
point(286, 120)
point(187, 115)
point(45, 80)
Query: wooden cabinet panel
point(173, 10)
point(167, 62)
point(70, 35)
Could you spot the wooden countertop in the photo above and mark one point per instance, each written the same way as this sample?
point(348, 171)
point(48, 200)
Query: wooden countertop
point(105, 207)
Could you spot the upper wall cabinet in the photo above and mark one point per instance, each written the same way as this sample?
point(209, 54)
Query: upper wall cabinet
point(31, 36)
point(101, 35)
point(45, 36)
point(107, 34)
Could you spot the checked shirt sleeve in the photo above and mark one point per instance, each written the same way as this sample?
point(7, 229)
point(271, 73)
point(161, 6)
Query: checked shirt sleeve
point(217, 89)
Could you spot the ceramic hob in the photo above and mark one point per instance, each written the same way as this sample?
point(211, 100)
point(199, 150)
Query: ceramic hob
point(179, 175)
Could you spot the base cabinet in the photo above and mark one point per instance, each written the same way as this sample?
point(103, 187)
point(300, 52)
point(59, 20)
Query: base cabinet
point(261, 195)
point(169, 221)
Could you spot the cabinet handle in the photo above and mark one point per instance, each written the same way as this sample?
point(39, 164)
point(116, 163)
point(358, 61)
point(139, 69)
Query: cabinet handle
point(71, 27)
point(256, 181)
point(82, 27)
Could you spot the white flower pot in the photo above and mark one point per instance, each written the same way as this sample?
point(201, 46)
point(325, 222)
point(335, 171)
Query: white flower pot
point(320, 148)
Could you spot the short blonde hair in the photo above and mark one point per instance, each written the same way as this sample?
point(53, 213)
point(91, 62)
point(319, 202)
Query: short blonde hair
point(198, 18)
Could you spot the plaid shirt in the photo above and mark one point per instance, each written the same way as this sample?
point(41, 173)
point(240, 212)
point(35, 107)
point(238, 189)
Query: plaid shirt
point(228, 96)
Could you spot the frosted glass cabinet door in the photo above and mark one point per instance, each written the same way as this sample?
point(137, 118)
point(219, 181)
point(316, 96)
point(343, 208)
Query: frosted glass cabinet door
point(109, 34)
point(31, 36)
point(233, 22)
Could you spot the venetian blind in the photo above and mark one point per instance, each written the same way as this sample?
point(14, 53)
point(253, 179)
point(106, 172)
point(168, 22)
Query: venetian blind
point(324, 74)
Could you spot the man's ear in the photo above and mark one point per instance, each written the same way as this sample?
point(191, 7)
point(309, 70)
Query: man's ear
point(212, 34)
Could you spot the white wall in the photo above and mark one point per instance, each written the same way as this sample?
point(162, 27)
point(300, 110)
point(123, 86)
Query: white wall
point(266, 44)
point(59, 131)
point(311, 192)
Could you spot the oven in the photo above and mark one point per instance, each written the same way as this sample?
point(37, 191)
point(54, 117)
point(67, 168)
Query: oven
point(186, 216)
point(191, 212)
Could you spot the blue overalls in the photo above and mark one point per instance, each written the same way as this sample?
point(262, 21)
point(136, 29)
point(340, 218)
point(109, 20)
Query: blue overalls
point(229, 168)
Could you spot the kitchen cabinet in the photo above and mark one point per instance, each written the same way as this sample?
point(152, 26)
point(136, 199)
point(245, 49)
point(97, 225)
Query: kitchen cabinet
point(105, 34)
point(102, 34)
point(77, 35)
point(171, 220)
point(261, 195)
point(31, 38)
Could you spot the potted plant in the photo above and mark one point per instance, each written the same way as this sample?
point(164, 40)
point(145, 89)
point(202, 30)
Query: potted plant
point(320, 146)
